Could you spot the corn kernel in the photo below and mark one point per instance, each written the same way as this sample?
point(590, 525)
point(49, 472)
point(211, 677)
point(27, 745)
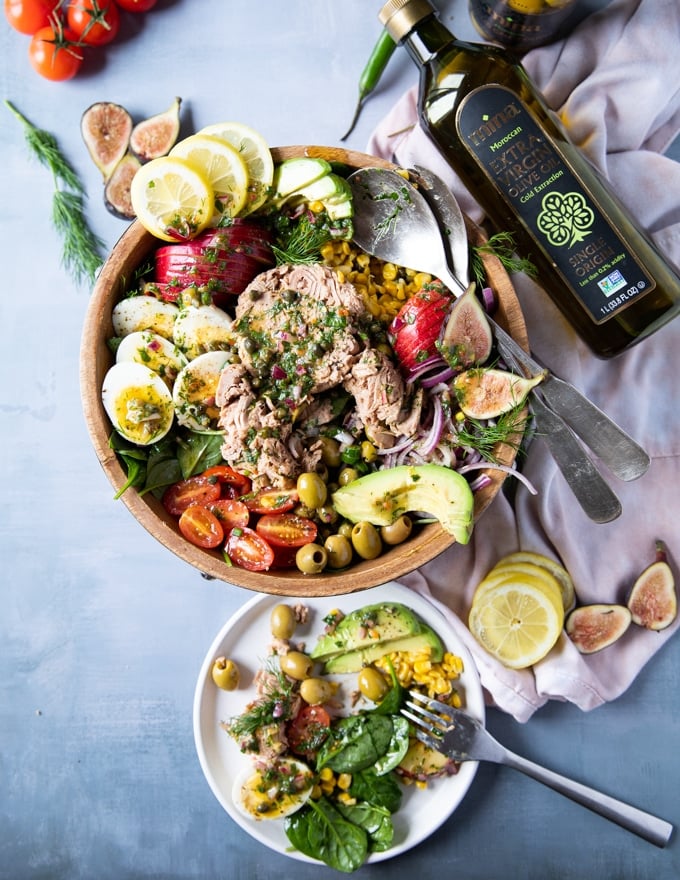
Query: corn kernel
point(326, 774)
point(347, 799)
point(344, 781)
point(316, 207)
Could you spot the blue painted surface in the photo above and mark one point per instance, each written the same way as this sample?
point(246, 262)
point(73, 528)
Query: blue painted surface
point(102, 631)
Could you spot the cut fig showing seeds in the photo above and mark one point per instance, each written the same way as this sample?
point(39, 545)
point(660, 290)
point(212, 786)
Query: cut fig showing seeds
point(106, 129)
point(487, 393)
point(117, 190)
point(467, 338)
point(594, 627)
point(154, 137)
point(653, 602)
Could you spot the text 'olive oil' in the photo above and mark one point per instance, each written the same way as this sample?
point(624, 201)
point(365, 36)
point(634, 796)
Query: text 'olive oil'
point(490, 122)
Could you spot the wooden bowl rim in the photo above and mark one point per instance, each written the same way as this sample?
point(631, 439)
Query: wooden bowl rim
point(135, 245)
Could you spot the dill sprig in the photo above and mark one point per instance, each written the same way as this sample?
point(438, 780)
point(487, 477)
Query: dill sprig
point(272, 707)
point(303, 243)
point(501, 245)
point(81, 252)
point(508, 428)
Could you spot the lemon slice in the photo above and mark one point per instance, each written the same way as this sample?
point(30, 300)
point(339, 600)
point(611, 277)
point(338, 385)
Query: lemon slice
point(171, 199)
point(221, 165)
point(530, 561)
point(254, 151)
point(517, 623)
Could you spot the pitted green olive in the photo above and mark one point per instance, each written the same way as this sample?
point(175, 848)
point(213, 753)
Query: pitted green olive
point(366, 540)
point(330, 452)
point(317, 690)
point(339, 549)
point(398, 531)
point(311, 558)
point(295, 665)
point(311, 489)
point(282, 622)
point(348, 475)
point(345, 528)
point(372, 684)
point(225, 674)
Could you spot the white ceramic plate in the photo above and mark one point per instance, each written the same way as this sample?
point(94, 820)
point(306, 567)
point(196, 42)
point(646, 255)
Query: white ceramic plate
point(245, 639)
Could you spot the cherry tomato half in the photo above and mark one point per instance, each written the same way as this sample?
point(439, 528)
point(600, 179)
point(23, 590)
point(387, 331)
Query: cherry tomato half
point(233, 514)
point(201, 527)
point(286, 529)
point(28, 16)
point(238, 484)
point(271, 500)
point(249, 550)
point(53, 54)
point(193, 490)
point(137, 5)
point(96, 22)
point(308, 730)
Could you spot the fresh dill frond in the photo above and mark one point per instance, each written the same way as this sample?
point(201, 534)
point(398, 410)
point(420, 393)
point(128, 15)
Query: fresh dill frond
point(302, 243)
point(483, 436)
point(274, 706)
point(81, 253)
point(502, 246)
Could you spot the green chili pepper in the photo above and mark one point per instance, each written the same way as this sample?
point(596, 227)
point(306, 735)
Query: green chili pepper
point(370, 76)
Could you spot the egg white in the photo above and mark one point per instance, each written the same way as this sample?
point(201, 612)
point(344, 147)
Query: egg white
point(200, 329)
point(138, 402)
point(144, 313)
point(262, 805)
point(194, 392)
point(153, 351)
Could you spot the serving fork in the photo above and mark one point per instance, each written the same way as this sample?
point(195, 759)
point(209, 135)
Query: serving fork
point(458, 735)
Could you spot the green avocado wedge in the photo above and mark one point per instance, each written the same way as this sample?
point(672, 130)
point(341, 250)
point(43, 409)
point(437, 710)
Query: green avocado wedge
point(382, 497)
point(354, 661)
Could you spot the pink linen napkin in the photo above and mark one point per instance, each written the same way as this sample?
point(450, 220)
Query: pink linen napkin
point(615, 81)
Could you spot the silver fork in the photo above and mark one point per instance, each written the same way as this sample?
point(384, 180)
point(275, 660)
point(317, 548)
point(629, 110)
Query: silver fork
point(464, 738)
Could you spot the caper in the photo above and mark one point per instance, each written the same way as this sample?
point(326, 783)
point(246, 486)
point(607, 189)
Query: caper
point(372, 684)
point(249, 344)
point(311, 558)
point(311, 489)
point(317, 690)
point(348, 475)
point(398, 531)
point(330, 451)
point(339, 549)
point(225, 674)
point(316, 351)
point(282, 622)
point(366, 540)
point(289, 296)
point(295, 665)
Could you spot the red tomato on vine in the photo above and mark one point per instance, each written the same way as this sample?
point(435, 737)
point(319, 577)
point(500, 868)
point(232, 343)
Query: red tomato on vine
point(137, 5)
point(53, 53)
point(28, 16)
point(96, 22)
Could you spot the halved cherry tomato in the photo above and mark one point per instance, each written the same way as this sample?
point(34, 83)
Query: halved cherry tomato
point(271, 500)
point(53, 53)
point(246, 548)
point(137, 5)
point(96, 22)
point(193, 490)
point(286, 529)
point(237, 483)
point(201, 527)
point(308, 730)
point(28, 16)
point(233, 514)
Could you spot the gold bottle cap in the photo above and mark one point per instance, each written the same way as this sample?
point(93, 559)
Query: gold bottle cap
point(398, 17)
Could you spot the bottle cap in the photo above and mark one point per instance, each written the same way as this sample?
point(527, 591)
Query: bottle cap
point(398, 17)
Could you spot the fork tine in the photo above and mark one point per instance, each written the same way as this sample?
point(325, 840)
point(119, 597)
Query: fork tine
point(437, 723)
point(431, 703)
point(431, 743)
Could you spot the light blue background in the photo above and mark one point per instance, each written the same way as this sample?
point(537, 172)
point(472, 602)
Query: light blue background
point(103, 631)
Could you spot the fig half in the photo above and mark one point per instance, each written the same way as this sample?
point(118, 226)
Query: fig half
point(106, 129)
point(117, 190)
point(484, 393)
point(467, 338)
point(653, 602)
point(154, 137)
point(594, 627)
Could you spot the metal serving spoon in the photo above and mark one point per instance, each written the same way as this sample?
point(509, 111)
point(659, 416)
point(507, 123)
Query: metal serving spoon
point(395, 222)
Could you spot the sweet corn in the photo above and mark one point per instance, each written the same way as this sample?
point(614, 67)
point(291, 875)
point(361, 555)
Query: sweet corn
point(417, 669)
point(344, 781)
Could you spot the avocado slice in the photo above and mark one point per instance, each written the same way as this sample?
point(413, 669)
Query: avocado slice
point(353, 661)
point(382, 497)
point(357, 630)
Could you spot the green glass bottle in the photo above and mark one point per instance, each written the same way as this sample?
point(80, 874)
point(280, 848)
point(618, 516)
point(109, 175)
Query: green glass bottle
point(490, 122)
point(520, 24)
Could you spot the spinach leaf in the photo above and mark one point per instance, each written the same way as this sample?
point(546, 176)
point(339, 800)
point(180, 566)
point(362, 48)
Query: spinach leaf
point(162, 469)
point(383, 791)
point(396, 749)
point(356, 743)
point(376, 822)
point(395, 697)
point(197, 452)
point(318, 830)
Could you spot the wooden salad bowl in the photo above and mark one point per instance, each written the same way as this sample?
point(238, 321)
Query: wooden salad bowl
point(133, 249)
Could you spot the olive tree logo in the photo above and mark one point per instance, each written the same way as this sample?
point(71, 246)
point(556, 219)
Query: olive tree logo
point(565, 218)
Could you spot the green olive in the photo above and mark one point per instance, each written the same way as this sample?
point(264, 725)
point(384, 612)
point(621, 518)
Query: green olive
point(225, 674)
point(348, 475)
point(366, 540)
point(339, 549)
point(368, 451)
point(295, 665)
point(330, 452)
point(311, 558)
point(317, 690)
point(372, 684)
point(398, 531)
point(345, 529)
point(282, 622)
point(327, 514)
point(311, 489)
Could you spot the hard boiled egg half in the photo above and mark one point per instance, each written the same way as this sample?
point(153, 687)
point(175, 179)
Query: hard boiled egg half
point(195, 389)
point(138, 402)
point(273, 790)
point(153, 351)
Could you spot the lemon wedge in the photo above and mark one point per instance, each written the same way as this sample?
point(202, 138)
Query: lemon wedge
point(517, 622)
point(221, 165)
point(254, 151)
point(171, 199)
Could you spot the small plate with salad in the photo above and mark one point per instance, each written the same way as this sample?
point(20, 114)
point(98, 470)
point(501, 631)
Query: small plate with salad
point(341, 763)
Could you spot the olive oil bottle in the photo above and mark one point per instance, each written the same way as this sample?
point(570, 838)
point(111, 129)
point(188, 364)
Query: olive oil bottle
point(520, 24)
point(490, 122)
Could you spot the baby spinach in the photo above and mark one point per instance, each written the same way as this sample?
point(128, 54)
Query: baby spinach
point(376, 821)
point(383, 791)
point(356, 743)
point(397, 747)
point(320, 831)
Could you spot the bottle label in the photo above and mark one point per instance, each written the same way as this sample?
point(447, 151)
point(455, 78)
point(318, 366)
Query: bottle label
point(564, 219)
